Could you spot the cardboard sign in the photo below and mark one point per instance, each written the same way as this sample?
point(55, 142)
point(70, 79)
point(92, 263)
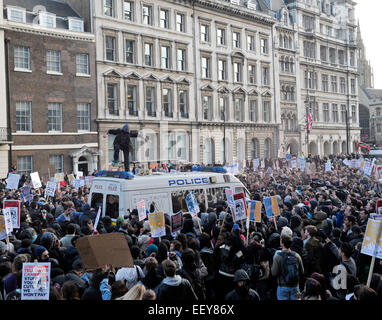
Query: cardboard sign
point(58, 177)
point(229, 196)
point(271, 206)
point(254, 211)
point(176, 221)
point(141, 210)
point(240, 208)
point(35, 283)
point(157, 225)
point(192, 204)
point(372, 241)
point(109, 248)
point(36, 182)
point(27, 193)
point(15, 209)
point(13, 181)
point(50, 189)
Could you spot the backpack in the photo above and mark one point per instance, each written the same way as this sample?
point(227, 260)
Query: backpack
point(290, 268)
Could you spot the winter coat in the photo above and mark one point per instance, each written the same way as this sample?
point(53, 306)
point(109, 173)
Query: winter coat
point(175, 288)
point(122, 139)
point(312, 256)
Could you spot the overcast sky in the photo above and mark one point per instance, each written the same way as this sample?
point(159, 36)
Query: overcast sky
point(369, 14)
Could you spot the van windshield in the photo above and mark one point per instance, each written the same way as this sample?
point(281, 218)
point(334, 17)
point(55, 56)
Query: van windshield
point(179, 199)
point(112, 206)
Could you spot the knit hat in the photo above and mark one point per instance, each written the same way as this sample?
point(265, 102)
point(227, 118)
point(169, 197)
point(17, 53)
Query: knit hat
point(119, 220)
point(143, 241)
point(47, 240)
point(236, 227)
point(150, 249)
point(38, 251)
point(241, 275)
point(282, 222)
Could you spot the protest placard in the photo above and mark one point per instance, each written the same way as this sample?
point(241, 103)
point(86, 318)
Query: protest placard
point(378, 207)
point(71, 177)
point(176, 221)
point(328, 166)
point(229, 196)
point(256, 163)
point(192, 204)
point(157, 225)
point(240, 207)
point(254, 211)
point(3, 232)
point(79, 174)
point(36, 182)
point(35, 282)
point(58, 177)
point(368, 168)
point(50, 189)
point(13, 181)
point(301, 163)
point(8, 220)
point(97, 218)
point(293, 162)
point(109, 248)
point(141, 210)
point(372, 241)
point(27, 193)
point(271, 206)
point(76, 183)
point(15, 209)
point(378, 169)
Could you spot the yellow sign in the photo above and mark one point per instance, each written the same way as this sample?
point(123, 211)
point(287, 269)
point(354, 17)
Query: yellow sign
point(372, 241)
point(157, 225)
point(275, 206)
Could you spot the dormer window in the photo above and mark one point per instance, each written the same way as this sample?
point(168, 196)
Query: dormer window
point(76, 25)
point(16, 14)
point(47, 20)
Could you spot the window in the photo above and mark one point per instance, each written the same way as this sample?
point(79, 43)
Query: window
point(55, 117)
point(253, 110)
point(223, 108)
point(58, 162)
point(332, 55)
point(252, 74)
point(236, 39)
point(112, 98)
point(334, 84)
point(47, 20)
point(76, 25)
point(108, 8)
point(181, 147)
point(170, 145)
point(183, 105)
point(181, 58)
point(128, 10)
point(83, 116)
point(316, 112)
point(323, 53)
point(221, 36)
point(16, 14)
point(23, 116)
point(180, 22)
point(341, 57)
point(206, 73)
point(308, 23)
point(150, 101)
point(204, 33)
point(147, 14)
point(222, 69)
point(130, 51)
point(24, 165)
point(343, 113)
point(166, 102)
point(250, 43)
point(342, 85)
point(325, 108)
point(110, 48)
point(53, 61)
point(148, 54)
point(353, 114)
point(264, 45)
point(325, 82)
point(265, 75)
point(378, 112)
point(164, 19)
point(352, 86)
point(239, 109)
point(237, 72)
point(309, 49)
point(310, 80)
point(132, 100)
point(207, 108)
point(165, 57)
point(82, 64)
point(22, 58)
point(335, 112)
point(352, 58)
point(379, 128)
point(267, 111)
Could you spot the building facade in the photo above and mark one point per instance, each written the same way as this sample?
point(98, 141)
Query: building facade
point(52, 86)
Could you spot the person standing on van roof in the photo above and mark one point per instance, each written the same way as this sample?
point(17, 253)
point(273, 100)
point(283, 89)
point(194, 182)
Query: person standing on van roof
point(122, 142)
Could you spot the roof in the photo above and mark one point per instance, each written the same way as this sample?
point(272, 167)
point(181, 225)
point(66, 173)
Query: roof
point(59, 8)
point(373, 93)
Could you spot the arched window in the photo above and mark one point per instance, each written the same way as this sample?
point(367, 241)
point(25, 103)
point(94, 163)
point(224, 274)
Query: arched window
point(254, 148)
point(292, 94)
point(285, 41)
point(290, 43)
point(209, 150)
point(280, 40)
point(267, 148)
point(286, 64)
point(282, 63)
point(240, 151)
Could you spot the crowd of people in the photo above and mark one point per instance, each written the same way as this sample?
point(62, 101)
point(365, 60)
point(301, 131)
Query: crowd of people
point(322, 222)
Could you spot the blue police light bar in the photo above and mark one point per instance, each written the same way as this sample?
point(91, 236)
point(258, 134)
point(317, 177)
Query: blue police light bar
point(115, 174)
point(209, 169)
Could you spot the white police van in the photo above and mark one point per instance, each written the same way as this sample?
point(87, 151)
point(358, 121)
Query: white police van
point(117, 192)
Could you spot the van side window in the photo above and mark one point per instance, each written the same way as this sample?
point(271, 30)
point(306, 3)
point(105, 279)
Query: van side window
point(112, 206)
point(215, 194)
point(178, 199)
point(97, 201)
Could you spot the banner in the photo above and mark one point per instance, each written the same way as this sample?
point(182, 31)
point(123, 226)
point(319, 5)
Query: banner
point(15, 209)
point(27, 193)
point(36, 182)
point(271, 206)
point(13, 181)
point(176, 221)
point(141, 210)
point(50, 189)
point(240, 207)
point(192, 204)
point(157, 225)
point(372, 241)
point(254, 211)
point(35, 283)
point(229, 196)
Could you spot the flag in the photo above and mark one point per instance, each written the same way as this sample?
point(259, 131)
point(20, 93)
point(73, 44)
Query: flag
point(309, 122)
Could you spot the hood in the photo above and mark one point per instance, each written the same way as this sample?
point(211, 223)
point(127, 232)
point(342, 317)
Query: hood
point(125, 127)
point(173, 281)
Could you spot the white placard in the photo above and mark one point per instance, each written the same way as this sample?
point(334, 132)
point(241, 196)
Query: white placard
point(13, 181)
point(36, 182)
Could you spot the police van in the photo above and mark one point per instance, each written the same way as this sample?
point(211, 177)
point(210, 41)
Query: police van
point(119, 192)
